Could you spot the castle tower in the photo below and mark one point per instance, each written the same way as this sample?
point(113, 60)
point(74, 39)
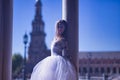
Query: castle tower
point(37, 49)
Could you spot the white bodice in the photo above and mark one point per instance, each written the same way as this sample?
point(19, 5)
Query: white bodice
point(58, 47)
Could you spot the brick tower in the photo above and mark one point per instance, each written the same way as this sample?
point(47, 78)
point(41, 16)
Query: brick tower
point(37, 49)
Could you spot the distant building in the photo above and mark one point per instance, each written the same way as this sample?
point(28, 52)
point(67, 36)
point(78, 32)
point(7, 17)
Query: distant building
point(99, 63)
point(37, 49)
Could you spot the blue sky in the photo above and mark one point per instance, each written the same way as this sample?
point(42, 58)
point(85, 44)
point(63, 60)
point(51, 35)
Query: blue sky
point(99, 26)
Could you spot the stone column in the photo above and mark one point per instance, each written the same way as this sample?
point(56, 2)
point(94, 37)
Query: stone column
point(1, 40)
point(6, 19)
point(70, 14)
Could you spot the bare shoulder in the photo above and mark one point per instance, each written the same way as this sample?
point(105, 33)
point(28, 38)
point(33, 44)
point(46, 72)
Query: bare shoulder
point(63, 39)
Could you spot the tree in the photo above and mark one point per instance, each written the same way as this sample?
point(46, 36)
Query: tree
point(17, 61)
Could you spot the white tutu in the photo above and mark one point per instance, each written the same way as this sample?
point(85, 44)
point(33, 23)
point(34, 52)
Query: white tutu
point(54, 67)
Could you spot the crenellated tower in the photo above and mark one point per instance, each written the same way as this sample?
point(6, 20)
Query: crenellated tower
point(37, 23)
point(37, 48)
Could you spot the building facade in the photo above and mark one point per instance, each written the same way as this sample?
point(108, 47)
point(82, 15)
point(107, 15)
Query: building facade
point(99, 63)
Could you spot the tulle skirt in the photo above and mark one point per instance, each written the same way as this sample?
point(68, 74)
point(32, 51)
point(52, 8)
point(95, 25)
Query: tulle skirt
point(54, 68)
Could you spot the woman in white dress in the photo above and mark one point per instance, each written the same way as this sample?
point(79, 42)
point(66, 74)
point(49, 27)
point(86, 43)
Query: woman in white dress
point(58, 65)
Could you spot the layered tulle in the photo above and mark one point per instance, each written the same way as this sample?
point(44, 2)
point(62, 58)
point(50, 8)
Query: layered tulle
point(54, 68)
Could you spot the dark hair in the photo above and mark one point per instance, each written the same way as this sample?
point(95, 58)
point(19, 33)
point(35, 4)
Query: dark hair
point(64, 34)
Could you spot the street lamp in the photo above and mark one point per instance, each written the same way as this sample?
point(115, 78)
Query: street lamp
point(25, 40)
point(89, 56)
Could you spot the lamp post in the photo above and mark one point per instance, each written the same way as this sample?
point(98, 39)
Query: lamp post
point(25, 40)
point(89, 56)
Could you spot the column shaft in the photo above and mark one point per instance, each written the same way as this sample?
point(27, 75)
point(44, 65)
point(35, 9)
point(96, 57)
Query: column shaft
point(70, 14)
point(6, 19)
point(1, 40)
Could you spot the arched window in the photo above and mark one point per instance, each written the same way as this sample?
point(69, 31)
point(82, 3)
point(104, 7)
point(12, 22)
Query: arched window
point(114, 70)
point(90, 70)
point(108, 70)
point(102, 70)
point(84, 70)
point(96, 70)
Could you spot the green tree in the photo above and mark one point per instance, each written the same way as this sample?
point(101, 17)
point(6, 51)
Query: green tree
point(17, 61)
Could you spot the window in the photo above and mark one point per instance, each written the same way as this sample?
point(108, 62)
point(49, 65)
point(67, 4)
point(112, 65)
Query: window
point(102, 70)
point(108, 70)
point(84, 70)
point(96, 70)
point(114, 70)
point(90, 70)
